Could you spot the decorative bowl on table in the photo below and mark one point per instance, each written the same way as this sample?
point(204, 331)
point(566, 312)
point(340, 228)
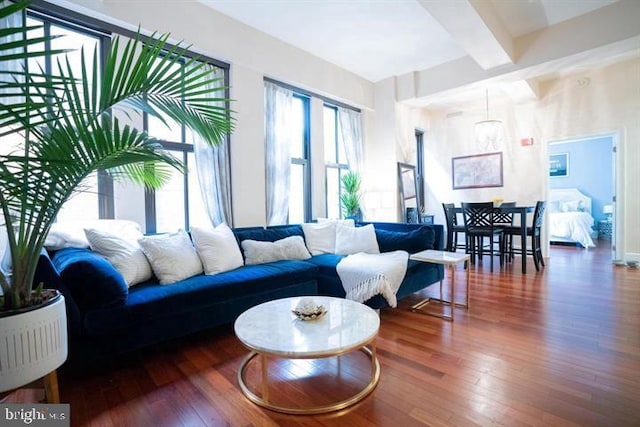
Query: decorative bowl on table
point(307, 309)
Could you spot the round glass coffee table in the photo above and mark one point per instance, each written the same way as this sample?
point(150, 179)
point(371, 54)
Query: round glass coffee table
point(272, 330)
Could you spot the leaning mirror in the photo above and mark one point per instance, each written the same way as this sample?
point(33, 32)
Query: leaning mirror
point(407, 187)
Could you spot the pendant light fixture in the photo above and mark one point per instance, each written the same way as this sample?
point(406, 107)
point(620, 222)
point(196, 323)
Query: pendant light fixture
point(489, 133)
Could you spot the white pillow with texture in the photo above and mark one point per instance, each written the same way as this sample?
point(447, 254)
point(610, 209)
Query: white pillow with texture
point(351, 240)
point(217, 248)
point(294, 248)
point(172, 256)
point(257, 252)
point(124, 254)
point(70, 234)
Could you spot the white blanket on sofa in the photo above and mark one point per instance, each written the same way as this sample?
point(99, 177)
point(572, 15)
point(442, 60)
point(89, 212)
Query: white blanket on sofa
point(366, 275)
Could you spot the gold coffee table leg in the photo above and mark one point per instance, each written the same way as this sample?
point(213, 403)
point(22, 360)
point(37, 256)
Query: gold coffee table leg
point(265, 378)
point(263, 401)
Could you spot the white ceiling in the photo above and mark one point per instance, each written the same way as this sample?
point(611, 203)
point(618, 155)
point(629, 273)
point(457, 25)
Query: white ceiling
point(373, 39)
point(377, 39)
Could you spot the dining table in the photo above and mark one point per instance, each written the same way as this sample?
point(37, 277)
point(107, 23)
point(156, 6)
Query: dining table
point(522, 211)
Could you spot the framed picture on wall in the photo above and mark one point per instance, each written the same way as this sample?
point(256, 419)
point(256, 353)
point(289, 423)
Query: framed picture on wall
point(559, 164)
point(479, 171)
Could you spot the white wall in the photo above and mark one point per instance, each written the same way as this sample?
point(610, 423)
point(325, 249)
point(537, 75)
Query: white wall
point(247, 149)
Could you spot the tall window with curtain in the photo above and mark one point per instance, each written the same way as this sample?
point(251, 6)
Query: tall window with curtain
point(213, 169)
point(200, 197)
point(287, 155)
point(335, 160)
point(342, 152)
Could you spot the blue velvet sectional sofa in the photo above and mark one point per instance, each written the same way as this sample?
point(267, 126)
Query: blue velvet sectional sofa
point(107, 318)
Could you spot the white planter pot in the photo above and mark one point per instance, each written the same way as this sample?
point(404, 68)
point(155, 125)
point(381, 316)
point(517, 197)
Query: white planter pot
point(32, 344)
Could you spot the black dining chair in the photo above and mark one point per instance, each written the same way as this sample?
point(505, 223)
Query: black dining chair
point(453, 228)
point(504, 220)
point(535, 231)
point(479, 223)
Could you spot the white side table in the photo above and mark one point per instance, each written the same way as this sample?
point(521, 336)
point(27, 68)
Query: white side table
point(452, 259)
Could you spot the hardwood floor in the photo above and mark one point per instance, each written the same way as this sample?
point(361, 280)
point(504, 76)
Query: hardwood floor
point(556, 348)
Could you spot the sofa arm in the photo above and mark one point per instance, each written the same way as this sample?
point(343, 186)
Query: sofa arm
point(92, 279)
point(47, 274)
point(421, 236)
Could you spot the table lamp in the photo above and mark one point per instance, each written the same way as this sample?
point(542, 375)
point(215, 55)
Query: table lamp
point(608, 212)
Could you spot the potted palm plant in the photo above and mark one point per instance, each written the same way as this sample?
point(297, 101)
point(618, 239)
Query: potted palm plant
point(68, 129)
point(350, 196)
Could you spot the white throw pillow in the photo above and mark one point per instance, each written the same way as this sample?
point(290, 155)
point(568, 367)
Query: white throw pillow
point(320, 238)
point(70, 234)
point(217, 248)
point(257, 252)
point(124, 254)
point(351, 240)
point(294, 247)
point(172, 256)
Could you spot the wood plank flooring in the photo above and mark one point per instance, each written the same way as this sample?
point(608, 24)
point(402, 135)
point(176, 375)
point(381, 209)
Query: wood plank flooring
point(556, 348)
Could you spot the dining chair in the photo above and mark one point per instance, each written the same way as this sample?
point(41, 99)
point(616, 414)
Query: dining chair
point(535, 231)
point(504, 220)
point(479, 223)
point(452, 228)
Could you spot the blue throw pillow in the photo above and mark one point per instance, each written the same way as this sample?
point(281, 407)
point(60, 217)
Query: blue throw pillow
point(270, 234)
point(92, 280)
point(411, 241)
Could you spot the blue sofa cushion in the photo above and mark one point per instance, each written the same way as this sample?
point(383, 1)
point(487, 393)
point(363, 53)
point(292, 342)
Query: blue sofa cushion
point(270, 234)
point(149, 301)
point(92, 280)
point(411, 241)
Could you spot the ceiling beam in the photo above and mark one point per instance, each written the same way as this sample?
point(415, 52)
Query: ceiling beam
point(476, 28)
point(609, 32)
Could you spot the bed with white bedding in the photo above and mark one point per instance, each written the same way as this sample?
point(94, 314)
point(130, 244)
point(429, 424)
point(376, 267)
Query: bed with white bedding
point(570, 217)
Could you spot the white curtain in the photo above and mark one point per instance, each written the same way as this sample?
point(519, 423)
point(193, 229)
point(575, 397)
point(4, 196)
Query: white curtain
point(214, 172)
point(278, 109)
point(351, 130)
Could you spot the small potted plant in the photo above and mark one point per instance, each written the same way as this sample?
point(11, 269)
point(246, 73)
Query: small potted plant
point(350, 197)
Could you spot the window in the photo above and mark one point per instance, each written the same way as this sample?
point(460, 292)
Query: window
point(335, 161)
point(94, 200)
point(98, 199)
point(178, 204)
point(300, 189)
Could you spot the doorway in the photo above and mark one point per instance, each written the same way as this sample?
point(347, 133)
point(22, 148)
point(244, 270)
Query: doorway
point(588, 164)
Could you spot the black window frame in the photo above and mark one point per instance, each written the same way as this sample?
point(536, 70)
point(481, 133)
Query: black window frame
point(59, 15)
point(306, 151)
point(334, 163)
